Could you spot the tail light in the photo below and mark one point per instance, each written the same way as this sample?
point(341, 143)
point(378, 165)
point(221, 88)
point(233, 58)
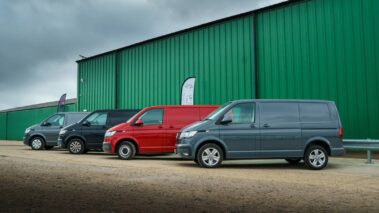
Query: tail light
point(340, 133)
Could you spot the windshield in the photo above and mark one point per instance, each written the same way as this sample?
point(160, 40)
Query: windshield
point(130, 119)
point(217, 112)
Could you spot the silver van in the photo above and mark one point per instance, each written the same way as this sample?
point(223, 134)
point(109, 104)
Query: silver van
point(45, 134)
point(293, 130)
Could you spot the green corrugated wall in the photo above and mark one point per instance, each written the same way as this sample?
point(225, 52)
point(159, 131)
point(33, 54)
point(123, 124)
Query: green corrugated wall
point(3, 125)
point(324, 49)
point(219, 56)
point(96, 83)
point(18, 121)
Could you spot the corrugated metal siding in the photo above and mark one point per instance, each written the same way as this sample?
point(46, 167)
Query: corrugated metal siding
point(324, 49)
point(96, 83)
point(220, 56)
point(18, 121)
point(70, 108)
point(3, 125)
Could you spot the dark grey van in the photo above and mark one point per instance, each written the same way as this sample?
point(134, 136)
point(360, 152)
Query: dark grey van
point(88, 134)
point(45, 135)
point(294, 130)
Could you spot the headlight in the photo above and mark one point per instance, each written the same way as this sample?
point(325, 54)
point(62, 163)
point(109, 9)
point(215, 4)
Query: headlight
point(62, 132)
point(110, 134)
point(27, 131)
point(189, 134)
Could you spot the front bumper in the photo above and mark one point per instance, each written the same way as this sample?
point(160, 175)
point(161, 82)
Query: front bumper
point(61, 142)
point(26, 139)
point(184, 150)
point(107, 147)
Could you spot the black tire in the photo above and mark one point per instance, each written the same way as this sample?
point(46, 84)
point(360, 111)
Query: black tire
point(214, 153)
point(76, 146)
point(126, 150)
point(48, 147)
point(37, 143)
point(316, 157)
point(293, 160)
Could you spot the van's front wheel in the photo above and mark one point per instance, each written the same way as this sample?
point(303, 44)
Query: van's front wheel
point(209, 156)
point(126, 150)
point(37, 143)
point(316, 157)
point(76, 146)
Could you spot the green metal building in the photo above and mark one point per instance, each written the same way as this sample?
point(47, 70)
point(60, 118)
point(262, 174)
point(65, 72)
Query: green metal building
point(310, 49)
point(13, 122)
point(304, 49)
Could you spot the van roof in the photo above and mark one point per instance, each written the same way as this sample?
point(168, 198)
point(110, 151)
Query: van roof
point(183, 106)
point(72, 113)
point(284, 100)
point(116, 110)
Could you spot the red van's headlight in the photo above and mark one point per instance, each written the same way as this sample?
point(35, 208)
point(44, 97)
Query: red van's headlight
point(109, 134)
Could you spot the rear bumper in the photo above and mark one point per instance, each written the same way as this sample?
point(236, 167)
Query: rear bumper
point(337, 151)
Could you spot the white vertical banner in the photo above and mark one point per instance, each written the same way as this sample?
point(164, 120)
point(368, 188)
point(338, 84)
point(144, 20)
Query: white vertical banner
point(188, 91)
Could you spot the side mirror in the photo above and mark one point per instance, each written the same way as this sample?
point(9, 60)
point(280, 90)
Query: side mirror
point(86, 123)
point(225, 121)
point(45, 123)
point(139, 122)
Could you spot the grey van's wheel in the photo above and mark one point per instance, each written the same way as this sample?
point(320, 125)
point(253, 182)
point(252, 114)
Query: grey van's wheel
point(37, 143)
point(76, 146)
point(209, 156)
point(126, 150)
point(293, 160)
point(316, 157)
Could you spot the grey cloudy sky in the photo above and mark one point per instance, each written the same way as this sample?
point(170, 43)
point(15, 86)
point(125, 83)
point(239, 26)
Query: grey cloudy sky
point(40, 40)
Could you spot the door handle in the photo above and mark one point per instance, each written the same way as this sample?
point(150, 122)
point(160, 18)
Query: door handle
point(252, 126)
point(171, 126)
point(266, 125)
point(160, 127)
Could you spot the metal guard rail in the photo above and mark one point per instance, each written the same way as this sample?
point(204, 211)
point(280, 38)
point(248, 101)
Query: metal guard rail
point(368, 145)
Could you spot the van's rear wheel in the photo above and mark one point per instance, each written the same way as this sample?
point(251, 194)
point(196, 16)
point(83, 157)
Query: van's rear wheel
point(316, 157)
point(126, 150)
point(37, 143)
point(293, 160)
point(209, 156)
point(76, 146)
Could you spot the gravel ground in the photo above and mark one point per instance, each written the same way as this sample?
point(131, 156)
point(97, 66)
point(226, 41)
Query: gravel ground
point(56, 181)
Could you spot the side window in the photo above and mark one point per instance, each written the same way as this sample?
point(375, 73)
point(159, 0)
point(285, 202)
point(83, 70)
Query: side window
point(151, 117)
point(279, 112)
point(314, 112)
point(73, 118)
point(98, 118)
point(241, 113)
point(56, 120)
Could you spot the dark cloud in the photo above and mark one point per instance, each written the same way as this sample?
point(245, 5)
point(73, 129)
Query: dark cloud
point(41, 39)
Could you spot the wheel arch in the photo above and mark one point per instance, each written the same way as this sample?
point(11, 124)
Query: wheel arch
point(37, 135)
point(323, 142)
point(214, 141)
point(131, 140)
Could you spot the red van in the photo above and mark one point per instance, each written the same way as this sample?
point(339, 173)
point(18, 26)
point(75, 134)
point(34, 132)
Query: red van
point(152, 130)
